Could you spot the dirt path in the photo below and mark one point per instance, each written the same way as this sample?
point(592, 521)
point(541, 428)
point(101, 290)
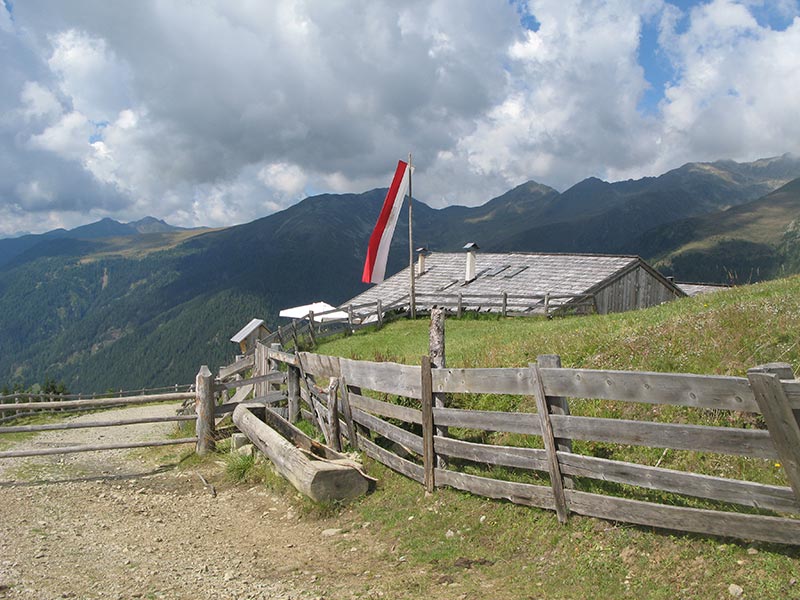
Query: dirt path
point(117, 525)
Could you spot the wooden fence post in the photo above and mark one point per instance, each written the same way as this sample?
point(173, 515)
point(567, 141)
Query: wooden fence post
point(293, 393)
point(428, 450)
point(460, 308)
point(379, 311)
point(333, 415)
point(311, 329)
point(436, 350)
point(557, 405)
point(347, 413)
point(546, 304)
point(556, 481)
point(504, 312)
point(273, 365)
point(260, 368)
point(781, 420)
point(204, 407)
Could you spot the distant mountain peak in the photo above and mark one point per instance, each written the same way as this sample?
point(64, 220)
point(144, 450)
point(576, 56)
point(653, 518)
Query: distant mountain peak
point(152, 225)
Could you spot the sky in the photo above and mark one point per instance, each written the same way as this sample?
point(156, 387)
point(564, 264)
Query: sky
point(205, 112)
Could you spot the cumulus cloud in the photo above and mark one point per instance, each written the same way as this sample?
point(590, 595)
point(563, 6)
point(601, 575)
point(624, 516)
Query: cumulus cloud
point(222, 112)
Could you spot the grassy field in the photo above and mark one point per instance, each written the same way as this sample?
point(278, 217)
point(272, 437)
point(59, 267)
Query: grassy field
point(524, 552)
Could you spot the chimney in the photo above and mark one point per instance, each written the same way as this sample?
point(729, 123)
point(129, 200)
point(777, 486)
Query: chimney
point(422, 252)
point(469, 274)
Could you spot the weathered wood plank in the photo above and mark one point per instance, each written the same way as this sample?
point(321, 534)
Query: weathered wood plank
point(489, 420)
point(97, 403)
point(386, 409)
point(319, 365)
point(391, 460)
point(506, 456)
point(229, 407)
point(204, 409)
point(724, 440)
point(319, 480)
point(333, 415)
point(298, 438)
point(391, 432)
point(115, 423)
point(556, 405)
point(781, 422)
point(677, 518)
point(701, 391)
point(483, 381)
point(94, 448)
point(274, 377)
point(428, 452)
point(746, 493)
point(347, 413)
point(281, 356)
point(562, 510)
point(248, 362)
point(387, 377)
point(527, 494)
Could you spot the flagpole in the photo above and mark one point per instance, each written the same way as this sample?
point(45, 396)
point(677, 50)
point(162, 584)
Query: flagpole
point(413, 303)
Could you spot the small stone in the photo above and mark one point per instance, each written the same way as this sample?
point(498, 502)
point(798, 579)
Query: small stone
point(752, 551)
point(482, 519)
point(735, 590)
point(331, 532)
point(229, 576)
point(449, 534)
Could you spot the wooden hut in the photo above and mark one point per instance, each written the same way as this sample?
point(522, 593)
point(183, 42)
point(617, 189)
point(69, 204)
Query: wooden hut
point(527, 283)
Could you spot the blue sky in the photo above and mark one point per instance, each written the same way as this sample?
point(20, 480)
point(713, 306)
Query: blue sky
point(217, 112)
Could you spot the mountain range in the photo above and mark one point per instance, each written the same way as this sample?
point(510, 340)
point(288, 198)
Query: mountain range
point(123, 305)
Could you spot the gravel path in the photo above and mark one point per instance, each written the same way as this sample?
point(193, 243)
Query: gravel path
point(113, 524)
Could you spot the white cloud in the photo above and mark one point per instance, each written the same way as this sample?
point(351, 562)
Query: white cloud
point(225, 111)
point(68, 137)
point(39, 102)
point(89, 74)
point(289, 180)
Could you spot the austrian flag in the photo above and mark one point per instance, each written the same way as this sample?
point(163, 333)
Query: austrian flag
point(381, 238)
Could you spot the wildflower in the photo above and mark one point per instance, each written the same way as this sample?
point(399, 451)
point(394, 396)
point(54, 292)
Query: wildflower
point(778, 465)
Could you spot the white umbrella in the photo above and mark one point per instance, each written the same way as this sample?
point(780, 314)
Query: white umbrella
point(301, 312)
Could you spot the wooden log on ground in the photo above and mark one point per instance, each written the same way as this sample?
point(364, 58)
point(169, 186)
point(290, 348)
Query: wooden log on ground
point(322, 481)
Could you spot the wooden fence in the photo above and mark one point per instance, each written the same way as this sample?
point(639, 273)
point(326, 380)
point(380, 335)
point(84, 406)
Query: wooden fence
point(24, 404)
point(399, 430)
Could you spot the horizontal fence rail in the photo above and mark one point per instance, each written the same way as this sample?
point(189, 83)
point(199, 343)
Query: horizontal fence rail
point(58, 404)
point(388, 414)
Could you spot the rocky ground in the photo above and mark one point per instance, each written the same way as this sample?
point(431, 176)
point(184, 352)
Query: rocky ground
point(120, 525)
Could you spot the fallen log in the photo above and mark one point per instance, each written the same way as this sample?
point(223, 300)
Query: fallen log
point(320, 480)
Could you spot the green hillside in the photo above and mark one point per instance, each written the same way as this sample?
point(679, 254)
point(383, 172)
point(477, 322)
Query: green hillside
point(519, 552)
point(722, 333)
point(749, 242)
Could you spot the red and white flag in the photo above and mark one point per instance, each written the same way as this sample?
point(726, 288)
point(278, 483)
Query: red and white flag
point(381, 238)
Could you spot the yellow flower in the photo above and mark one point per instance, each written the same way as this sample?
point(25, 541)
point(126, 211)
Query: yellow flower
point(778, 465)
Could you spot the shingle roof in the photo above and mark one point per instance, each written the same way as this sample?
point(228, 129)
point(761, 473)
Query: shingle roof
point(513, 273)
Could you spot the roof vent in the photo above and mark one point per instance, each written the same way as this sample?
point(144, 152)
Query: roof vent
point(422, 252)
point(469, 273)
